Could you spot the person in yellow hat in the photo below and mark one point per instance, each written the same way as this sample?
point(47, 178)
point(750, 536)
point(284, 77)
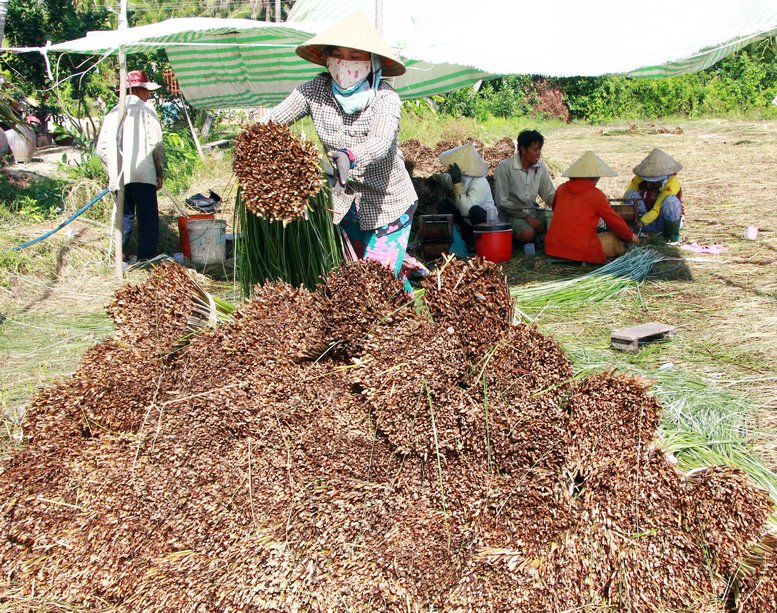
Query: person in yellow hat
point(472, 202)
point(657, 190)
point(356, 116)
point(577, 207)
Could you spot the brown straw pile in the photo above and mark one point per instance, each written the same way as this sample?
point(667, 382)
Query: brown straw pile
point(276, 170)
point(351, 449)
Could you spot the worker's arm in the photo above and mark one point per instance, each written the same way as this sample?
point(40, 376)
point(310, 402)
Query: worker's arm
point(633, 186)
point(157, 144)
point(612, 219)
point(670, 188)
point(443, 178)
point(502, 191)
point(547, 189)
point(291, 110)
point(101, 148)
point(476, 194)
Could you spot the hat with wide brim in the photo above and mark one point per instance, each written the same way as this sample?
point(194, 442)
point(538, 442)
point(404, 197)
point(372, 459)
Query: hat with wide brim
point(589, 165)
point(467, 158)
point(657, 164)
point(354, 32)
point(139, 78)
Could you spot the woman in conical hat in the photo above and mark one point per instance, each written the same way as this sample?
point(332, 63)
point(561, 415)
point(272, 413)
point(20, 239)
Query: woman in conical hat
point(472, 202)
point(577, 207)
point(356, 116)
point(657, 190)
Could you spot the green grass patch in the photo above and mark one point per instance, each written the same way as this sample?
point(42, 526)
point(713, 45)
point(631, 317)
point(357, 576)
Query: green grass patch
point(34, 200)
point(40, 347)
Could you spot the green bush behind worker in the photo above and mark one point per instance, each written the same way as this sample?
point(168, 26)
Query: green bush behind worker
point(518, 181)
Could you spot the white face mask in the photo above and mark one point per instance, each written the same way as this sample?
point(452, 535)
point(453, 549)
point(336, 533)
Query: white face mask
point(347, 73)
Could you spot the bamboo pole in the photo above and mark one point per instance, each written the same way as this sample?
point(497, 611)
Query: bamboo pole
point(117, 228)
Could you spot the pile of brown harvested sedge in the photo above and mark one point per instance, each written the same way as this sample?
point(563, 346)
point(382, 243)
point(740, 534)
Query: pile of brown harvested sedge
point(350, 449)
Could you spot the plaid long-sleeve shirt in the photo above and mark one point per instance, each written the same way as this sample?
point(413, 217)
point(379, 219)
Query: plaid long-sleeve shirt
point(379, 185)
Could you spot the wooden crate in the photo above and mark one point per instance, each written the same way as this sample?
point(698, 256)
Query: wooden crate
point(435, 235)
point(629, 339)
point(628, 211)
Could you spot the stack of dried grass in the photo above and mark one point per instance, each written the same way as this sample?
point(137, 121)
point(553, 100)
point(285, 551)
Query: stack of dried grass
point(470, 298)
point(422, 162)
point(276, 170)
point(341, 450)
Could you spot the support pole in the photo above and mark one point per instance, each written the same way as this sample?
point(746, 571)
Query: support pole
point(117, 229)
point(193, 131)
point(277, 11)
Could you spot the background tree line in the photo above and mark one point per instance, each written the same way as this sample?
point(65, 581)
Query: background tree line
point(745, 82)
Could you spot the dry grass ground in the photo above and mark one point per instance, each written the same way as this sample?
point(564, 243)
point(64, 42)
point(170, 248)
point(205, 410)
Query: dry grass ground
point(724, 307)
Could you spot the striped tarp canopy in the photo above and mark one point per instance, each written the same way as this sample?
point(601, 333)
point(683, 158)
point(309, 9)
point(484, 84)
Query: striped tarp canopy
point(227, 63)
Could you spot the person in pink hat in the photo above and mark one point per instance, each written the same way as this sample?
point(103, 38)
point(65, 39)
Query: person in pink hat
point(142, 162)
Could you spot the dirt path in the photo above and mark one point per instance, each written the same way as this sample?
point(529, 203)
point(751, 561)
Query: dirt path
point(45, 162)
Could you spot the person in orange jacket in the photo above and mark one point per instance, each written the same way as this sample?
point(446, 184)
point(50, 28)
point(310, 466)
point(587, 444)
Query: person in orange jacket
point(577, 207)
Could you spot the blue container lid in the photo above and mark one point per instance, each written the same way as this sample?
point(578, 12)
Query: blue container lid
point(499, 226)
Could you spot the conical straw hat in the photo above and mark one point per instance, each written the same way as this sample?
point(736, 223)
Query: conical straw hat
point(355, 32)
point(657, 164)
point(589, 165)
point(468, 159)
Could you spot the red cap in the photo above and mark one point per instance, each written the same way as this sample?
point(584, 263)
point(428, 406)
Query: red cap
point(139, 78)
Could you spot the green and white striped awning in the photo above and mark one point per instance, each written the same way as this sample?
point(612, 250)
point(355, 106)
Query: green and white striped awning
point(228, 63)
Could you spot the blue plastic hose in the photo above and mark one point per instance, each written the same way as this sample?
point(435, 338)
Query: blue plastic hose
point(62, 225)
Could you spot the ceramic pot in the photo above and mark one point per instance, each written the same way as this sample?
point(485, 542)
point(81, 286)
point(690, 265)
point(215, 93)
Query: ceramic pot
point(22, 141)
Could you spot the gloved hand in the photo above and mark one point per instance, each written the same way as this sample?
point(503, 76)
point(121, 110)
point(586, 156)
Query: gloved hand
point(455, 172)
point(536, 224)
point(342, 166)
point(492, 215)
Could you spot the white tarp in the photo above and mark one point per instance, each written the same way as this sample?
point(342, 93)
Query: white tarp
point(448, 45)
point(564, 38)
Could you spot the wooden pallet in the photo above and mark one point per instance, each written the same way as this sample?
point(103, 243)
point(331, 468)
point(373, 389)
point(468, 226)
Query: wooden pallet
point(629, 339)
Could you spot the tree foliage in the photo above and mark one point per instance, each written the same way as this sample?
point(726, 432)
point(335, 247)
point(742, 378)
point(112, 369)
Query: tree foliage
point(31, 23)
point(740, 83)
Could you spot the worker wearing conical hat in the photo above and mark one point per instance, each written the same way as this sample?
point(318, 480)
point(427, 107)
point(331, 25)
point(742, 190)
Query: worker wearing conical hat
point(356, 116)
point(472, 201)
point(577, 207)
point(656, 188)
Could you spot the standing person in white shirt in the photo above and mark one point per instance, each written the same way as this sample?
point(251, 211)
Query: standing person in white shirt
point(518, 181)
point(142, 162)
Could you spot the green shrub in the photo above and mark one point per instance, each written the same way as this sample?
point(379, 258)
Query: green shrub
point(37, 200)
point(181, 160)
point(744, 82)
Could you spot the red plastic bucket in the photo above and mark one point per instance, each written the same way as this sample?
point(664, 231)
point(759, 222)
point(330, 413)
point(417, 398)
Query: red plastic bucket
point(494, 241)
point(183, 231)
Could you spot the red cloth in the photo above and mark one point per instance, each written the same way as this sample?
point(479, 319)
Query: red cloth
point(577, 207)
